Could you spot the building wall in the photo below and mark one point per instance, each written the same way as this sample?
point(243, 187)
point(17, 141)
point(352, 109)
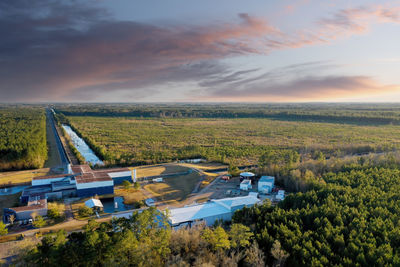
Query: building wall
point(119, 180)
point(80, 186)
point(26, 215)
point(87, 192)
point(36, 182)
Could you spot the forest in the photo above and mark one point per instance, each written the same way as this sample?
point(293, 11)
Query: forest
point(23, 142)
point(145, 240)
point(352, 220)
point(355, 113)
point(348, 218)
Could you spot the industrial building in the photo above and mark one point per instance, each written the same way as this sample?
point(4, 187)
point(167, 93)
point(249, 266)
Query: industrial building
point(36, 205)
point(80, 181)
point(266, 184)
point(210, 212)
point(245, 185)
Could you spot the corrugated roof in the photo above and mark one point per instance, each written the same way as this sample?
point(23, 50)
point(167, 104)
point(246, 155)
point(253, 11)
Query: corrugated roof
point(42, 204)
point(208, 209)
point(92, 177)
point(81, 169)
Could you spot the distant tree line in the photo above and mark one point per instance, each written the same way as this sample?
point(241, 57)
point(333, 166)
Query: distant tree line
point(335, 113)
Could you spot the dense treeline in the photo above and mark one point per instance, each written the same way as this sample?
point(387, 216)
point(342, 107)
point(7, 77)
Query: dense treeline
point(338, 113)
point(353, 220)
point(22, 138)
point(146, 240)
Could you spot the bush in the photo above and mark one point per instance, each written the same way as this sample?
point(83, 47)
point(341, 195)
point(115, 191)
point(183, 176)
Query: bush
point(85, 211)
point(126, 184)
point(39, 222)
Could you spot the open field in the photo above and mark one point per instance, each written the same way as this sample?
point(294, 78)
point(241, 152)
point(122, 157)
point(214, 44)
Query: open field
point(131, 195)
point(174, 189)
point(152, 140)
point(18, 177)
point(145, 171)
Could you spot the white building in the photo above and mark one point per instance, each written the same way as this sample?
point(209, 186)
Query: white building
point(265, 184)
point(280, 196)
point(209, 212)
point(92, 203)
point(245, 185)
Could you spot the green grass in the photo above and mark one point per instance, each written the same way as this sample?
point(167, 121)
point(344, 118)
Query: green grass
point(152, 140)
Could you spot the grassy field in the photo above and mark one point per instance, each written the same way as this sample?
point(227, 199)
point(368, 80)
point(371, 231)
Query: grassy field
point(145, 171)
point(174, 189)
point(153, 140)
point(17, 177)
point(131, 195)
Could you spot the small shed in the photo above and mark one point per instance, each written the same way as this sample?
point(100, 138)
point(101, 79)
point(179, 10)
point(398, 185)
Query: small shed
point(266, 184)
point(247, 176)
point(281, 195)
point(94, 203)
point(245, 185)
point(150, 202)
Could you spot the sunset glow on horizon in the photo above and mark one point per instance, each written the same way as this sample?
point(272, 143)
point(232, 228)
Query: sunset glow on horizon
point(200, 51)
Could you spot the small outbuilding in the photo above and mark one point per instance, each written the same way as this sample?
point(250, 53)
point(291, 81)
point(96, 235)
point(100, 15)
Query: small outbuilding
point(245, 185)
point(94, 203)
point(281, 195)
point(266, 184)
point(150, 202)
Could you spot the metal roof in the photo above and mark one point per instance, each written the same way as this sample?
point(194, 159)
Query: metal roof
point(209, 209)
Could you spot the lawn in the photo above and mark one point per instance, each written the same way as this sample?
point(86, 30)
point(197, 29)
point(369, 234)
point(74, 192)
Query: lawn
point(17, 177)
point(131, 195)
point(155, 170)
point(174, 189)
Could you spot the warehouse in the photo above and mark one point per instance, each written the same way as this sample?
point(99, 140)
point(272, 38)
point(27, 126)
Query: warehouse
point(90, 184)
point(210, 212)
point(266, 184)
point(37, 206)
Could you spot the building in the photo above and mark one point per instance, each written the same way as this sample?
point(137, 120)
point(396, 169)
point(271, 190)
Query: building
point(209, 212)
point(247, 176)
point(266, 184)
point(94, 203)
point(245, 185)
point(150, 202)
point(120, 174)
point(280, 196)
point(24, 213)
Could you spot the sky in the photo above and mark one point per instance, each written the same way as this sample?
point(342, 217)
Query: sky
point(199, 51)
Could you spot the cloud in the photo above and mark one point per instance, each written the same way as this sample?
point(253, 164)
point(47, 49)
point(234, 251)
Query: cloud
point(308, 88)
point(62, 51)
